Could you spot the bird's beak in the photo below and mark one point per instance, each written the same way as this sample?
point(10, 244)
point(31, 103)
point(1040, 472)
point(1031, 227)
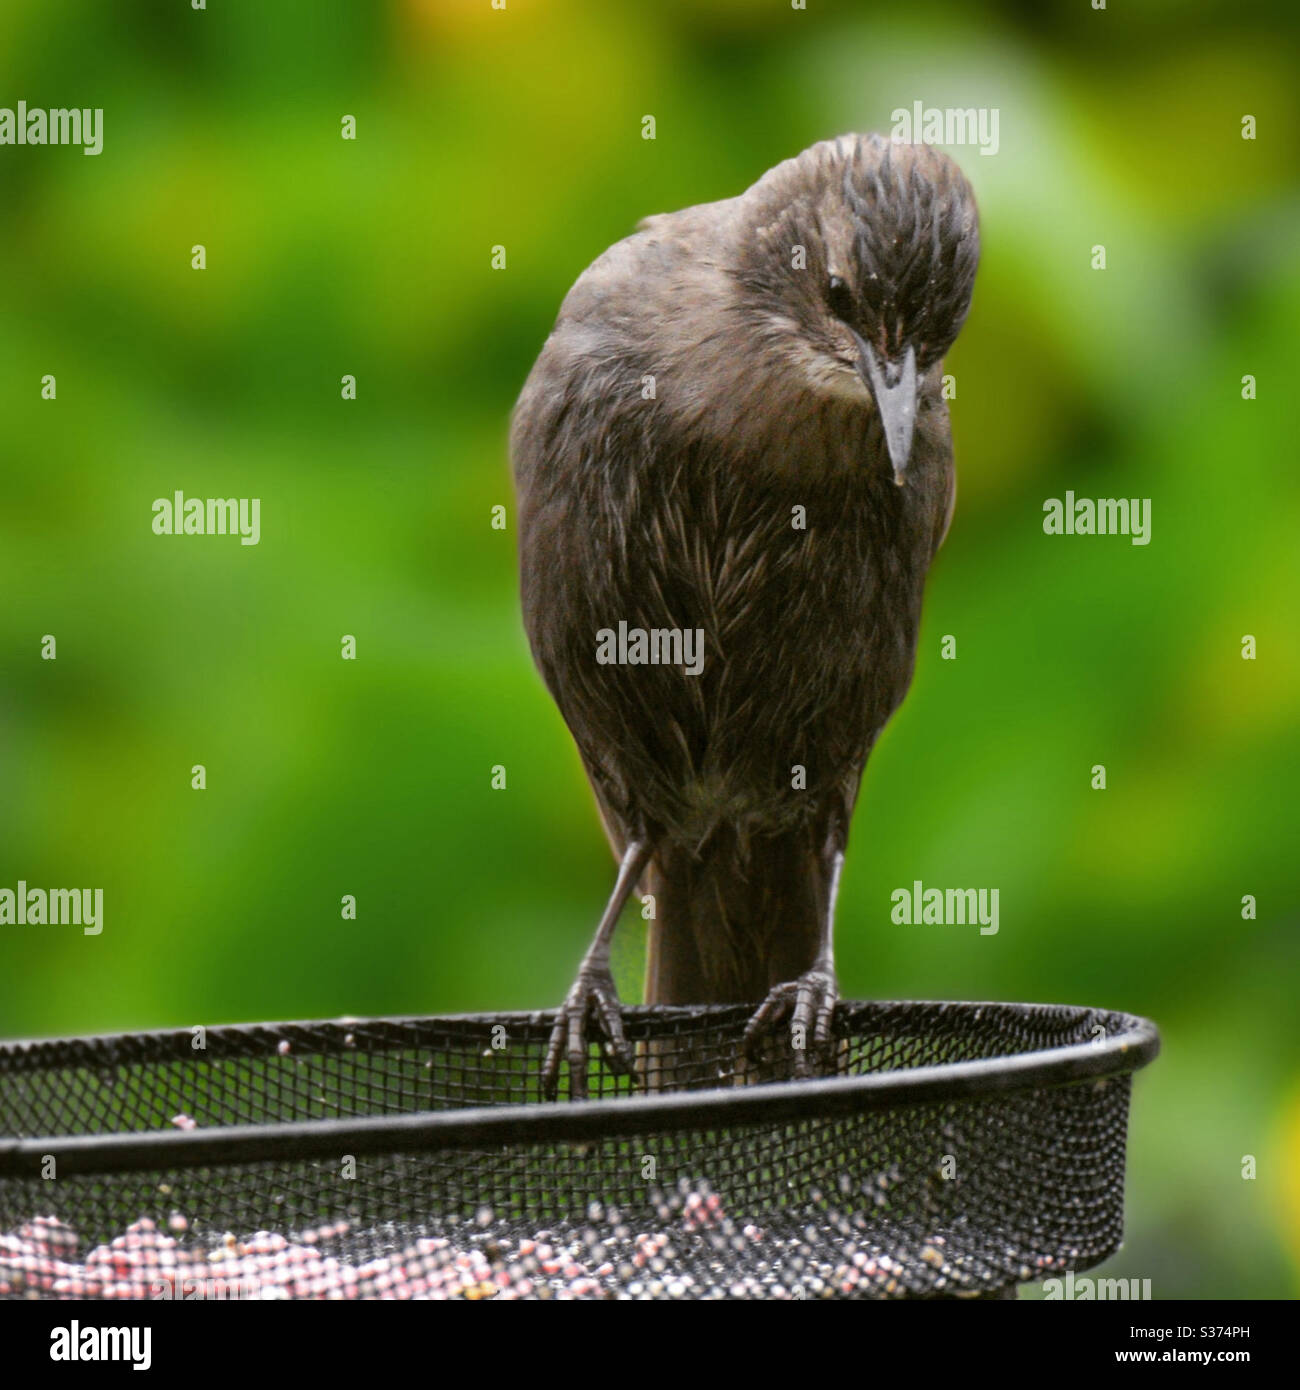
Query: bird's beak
point(893, 384)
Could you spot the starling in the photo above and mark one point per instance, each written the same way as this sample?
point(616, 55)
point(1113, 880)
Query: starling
point(736, 435)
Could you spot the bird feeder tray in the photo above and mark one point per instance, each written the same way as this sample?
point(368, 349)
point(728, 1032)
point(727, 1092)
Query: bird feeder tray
point(956, 1150)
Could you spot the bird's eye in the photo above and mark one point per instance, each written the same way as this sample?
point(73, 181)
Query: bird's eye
point(839, 298)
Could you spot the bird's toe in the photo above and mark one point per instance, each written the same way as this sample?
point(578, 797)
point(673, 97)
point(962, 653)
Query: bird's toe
point(592, 1005)
point(809, 1005)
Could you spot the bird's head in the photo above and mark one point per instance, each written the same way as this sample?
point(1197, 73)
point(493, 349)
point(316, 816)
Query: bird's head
point(857, 260)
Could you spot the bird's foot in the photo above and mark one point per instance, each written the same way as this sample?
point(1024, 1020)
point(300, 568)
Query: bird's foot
point(592, 1000)
point(809, 1004)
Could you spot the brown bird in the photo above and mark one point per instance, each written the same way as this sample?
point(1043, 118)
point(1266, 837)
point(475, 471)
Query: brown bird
point(736, 432)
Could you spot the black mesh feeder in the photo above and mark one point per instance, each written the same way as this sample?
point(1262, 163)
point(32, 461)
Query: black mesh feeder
point(957, 1150)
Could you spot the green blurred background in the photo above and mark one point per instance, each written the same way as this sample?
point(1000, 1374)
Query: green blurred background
point(523, 128)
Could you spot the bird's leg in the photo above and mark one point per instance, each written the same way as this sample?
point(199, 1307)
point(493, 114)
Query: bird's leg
point(593, 998)
point(809, 1002)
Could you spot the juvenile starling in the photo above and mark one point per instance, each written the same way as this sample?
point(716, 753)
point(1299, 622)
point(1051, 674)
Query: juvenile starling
point(736, 427)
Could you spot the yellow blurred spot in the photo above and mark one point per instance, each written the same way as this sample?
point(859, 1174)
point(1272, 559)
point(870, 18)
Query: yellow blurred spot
point(1290, 1179)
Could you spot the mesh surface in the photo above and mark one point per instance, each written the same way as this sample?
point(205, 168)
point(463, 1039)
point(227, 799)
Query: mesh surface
point(977, 1186)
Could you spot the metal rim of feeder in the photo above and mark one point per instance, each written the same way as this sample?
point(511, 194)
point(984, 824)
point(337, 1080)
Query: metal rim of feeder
point(1134, 1045)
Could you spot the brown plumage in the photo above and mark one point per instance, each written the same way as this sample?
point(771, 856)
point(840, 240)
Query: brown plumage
point(736, 426)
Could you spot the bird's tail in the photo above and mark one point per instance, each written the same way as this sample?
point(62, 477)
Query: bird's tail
point(730, 922)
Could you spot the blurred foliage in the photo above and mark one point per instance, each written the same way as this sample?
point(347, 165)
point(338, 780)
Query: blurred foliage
point(522, 127)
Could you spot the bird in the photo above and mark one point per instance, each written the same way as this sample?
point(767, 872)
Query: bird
point(737, 432)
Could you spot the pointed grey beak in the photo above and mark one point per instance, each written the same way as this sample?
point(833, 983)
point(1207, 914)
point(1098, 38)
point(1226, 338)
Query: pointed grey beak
point(893, 384)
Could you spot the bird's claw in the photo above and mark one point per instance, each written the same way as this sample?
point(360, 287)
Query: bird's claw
point(809, 1002)
point(592, 1000)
